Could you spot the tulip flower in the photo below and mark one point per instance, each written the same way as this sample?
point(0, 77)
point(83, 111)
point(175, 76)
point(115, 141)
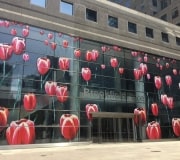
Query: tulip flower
point(64, 63)
point(50, 88)
point(137, 74)
point(114, 62)
point(20, 132)
point(62, 93)
point(154, 109)
point(168, 80)
point(86, 74)
point(139, 116)
point(91, 108)
point(153, 130)
point(3, 117)
point(69, 126)
point(158, 82)
point(18, 45)
point(176, 126)
point(29, 102)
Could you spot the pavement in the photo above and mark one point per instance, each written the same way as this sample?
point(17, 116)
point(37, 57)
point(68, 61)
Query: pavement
point(166, 150)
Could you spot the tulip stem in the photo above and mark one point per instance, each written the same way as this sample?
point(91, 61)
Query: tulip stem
point(168, 118)
point(41, 82)
point(4, 68)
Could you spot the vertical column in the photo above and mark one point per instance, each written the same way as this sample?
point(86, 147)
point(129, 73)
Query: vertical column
point(140, 97)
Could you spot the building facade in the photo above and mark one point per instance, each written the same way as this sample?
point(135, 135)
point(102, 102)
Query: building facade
point(62, 60)
point(167, 10)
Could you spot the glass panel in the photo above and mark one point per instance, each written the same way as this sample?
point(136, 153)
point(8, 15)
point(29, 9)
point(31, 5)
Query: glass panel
point(149, 32)
point(113, 21)
point(41, 3)
point(66, 8)
point(132, 27)
point(91, 15)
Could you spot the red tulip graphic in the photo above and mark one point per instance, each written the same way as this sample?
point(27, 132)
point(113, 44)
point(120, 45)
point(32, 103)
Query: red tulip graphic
point(43, 65)
point(29, 102)
point(5, 51)
point(69, 126)
point(13, 32)
point(77, 53)
point(139, 116)
point(91, 108)
point(95, 54)
point(145, 58)
point(86, 74)
point(25, 57)
point(153, 130)
point(170, 102)
point(154, 109)
point(88, 56)
point(62, 93)
point(168, 80)
point(50, 88)
point(18, 45)
point(25, 32)
point(167, 65)
point(148, 76)
point(20, 132)
point(41, 32)
point(103, 66)
point(116, 48)
point(53, 45)
point(164, 99)
point(134, 53)
point(143, 68)
point(175, 72)
point(3, 117)
point(158, 82)
point(64, 63)
point(176, 126)
point(65, 43)
point(104, 48)
point(46, 42)
point(137, 74)
point(114, 62)
point(50, 35)
point(121, 70)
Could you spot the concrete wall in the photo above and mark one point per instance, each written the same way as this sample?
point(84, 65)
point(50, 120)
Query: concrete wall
point(50, 18)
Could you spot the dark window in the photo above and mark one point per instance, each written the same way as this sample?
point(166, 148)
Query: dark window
point(175, 13)
point(91, 15)
point(154, 13)
point(164, 37)
point(132, 27)
point(178, 41)
point(41, 3)
point(164, 4)
point(154, 3)
point(164, 17)
point(113, 21)
point(66, 8)
point(178, 24)
point(149, 32)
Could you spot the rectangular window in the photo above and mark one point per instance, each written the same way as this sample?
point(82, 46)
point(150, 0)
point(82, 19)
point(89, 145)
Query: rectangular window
point(149, 32)
point(178, 41)
point(132, 27)
point(164, 37)
point(164, 17)
point(154, 3)
point(175, 13)
point(41, 3)
point(113, 21)
point(91, 15)
point(66, 8)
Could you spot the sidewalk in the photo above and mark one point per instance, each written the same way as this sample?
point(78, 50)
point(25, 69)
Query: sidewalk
point(169, 150)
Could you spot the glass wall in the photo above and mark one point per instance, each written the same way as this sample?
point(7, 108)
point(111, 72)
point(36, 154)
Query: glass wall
point(50, 82)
